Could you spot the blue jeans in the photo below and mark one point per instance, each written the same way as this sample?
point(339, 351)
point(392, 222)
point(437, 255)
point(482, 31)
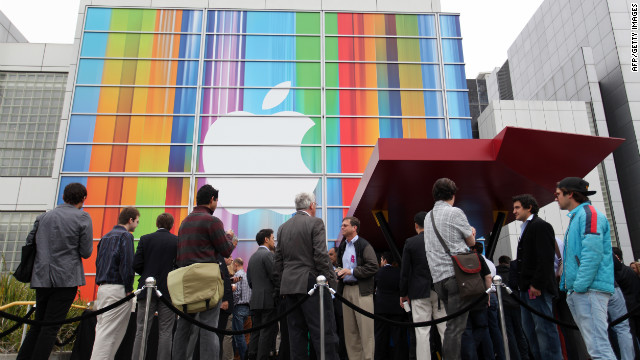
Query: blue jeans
point(240, 314)
point(476, 335)
point(542, 334)
point(618, 308)
point(589, 310)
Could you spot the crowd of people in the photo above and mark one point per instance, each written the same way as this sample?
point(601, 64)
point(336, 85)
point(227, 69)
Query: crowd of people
point(580, 279)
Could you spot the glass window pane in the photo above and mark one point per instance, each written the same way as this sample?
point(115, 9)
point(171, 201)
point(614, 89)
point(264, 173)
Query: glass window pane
point(263, 73)
point(455, 77)
point(254, 159)
point(450, 26)
point(460, 128)
point(127, 158)
point(458, 103)
point(452, 51)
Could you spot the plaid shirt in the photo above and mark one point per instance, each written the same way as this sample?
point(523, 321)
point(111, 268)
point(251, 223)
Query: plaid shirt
point(242, 295)
point(454, 228)
point(114, 262)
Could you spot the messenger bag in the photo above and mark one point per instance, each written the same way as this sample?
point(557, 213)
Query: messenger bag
point(466, 267)
point(196, 288)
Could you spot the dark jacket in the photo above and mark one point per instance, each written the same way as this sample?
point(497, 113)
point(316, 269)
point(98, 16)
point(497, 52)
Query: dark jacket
point(261, 280)
point(415, 276)
point(226, 279)
point(301, 255)
point(503, 271)
point(114, 262)
point(366, 265)
point(155, 257)
point(387, 298)
point(536, 251)
point(629, 283)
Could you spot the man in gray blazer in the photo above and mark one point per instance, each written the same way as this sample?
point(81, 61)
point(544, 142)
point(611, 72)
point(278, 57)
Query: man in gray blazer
point(262, 304)
point(63, 236)
point(301, 255)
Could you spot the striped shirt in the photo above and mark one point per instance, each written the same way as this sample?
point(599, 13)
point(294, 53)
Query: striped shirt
point(242, 294)
point(114, 262)
point(201, 238)
point(454, 228)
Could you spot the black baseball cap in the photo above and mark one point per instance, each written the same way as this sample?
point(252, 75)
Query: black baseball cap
point(575, 184)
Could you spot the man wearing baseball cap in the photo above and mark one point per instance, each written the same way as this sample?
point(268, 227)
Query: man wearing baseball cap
point(588, 265)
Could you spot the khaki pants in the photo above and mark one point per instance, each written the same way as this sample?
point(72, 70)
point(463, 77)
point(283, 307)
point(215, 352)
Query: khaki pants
point(358, 329)
point(112, 325)
point(423, 310)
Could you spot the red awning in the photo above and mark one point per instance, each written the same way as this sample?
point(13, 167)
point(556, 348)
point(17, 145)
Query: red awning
point(401, 172)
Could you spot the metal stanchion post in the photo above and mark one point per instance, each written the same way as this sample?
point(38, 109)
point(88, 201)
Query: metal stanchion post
point(497, 281)
point(322, 282)
point(150, 284)
point(24, 327)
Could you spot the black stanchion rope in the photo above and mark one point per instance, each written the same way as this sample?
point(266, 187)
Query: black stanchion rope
point(71, 320)
point(17, 325)
point(571, 326)
point(199, 324)
point(411, 324)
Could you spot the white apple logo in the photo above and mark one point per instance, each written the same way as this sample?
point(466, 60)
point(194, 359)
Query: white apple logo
point(259, 145)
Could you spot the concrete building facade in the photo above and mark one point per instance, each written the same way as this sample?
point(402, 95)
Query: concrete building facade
point(581, 51)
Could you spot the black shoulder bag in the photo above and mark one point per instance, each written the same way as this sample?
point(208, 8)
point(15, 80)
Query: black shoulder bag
point(25, 269)
point(467, 268)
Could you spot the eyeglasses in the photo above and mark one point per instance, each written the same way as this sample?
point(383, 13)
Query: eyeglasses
point(345, 225)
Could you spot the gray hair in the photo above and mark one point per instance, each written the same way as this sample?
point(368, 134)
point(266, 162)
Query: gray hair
point(304, 200)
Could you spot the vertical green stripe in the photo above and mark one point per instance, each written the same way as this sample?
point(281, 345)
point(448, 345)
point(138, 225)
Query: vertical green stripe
point(151, 191)
point(407, 25)
point(307, 23)
point(331, 23)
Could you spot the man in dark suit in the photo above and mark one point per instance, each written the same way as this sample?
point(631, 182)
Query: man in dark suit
point(416, 289)
point(154, 257)
point(262, 283)
point(536, 277)
point(301, 256)
point(386, 304)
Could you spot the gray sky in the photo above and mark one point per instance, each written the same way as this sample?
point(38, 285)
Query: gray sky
point(489, 27)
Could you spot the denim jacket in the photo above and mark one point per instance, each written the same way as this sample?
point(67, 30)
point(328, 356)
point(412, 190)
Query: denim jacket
point(588, 263)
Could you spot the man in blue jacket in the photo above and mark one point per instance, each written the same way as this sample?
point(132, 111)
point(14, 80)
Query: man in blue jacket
point(588, 265)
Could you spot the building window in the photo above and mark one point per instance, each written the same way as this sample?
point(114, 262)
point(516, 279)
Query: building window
point(30, 111)
point(14, 227)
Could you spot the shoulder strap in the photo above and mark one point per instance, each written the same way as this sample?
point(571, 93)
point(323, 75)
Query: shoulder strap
point(433, 222)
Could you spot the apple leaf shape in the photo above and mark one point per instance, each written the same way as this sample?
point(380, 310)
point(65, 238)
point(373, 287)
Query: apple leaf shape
point(276, 95)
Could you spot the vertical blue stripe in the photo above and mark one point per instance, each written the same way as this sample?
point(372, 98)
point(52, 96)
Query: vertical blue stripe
point(267, 22)
point(334, 164)
point(426, 25)
point(98, 19)
point(94, 44)
point(460, 128)
point(436, 129)
point(90, 71)
point(77, 158)
point(450, 26)
point(81, 128)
